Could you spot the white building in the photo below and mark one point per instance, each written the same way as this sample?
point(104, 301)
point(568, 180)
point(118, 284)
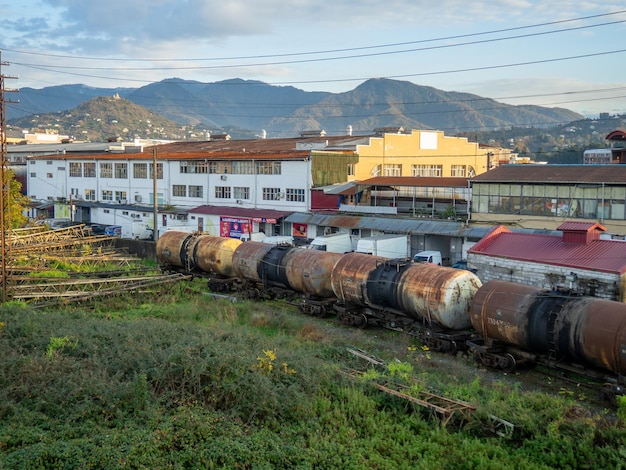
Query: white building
point(119, 189)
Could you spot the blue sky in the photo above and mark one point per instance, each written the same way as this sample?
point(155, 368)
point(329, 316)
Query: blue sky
point(558, 53)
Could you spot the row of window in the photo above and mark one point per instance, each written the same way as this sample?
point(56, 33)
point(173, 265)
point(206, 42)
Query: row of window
point(460, 171)
point(114, 170)
point(240, 192)
point(146, 170)
point(244, 167)
point(196, 191)
point(585, 201)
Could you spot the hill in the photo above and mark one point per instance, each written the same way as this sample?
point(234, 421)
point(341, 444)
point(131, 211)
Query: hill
point(245, 108)
point(106, 118)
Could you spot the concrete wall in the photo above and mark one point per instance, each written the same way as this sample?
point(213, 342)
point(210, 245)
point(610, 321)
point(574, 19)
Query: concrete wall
point(584, 282)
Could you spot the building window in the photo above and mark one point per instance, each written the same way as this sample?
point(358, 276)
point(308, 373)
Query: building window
point(295, 195)
point(271, 194)
point(427, 170)
point(194, 167)
point(351, 169)
point(90, 194)
point(179, 190)
point(222, 192)
point(241, 192)
point(159, 171)
point(121, 170)
point(121, 196)
point(107, 195)
point(90, 170)
point(140, 170)
point(375, 171)
point(268, 168)
point(48, 175)
point(76, 169)
point(458, 171)
point(106, 170)
point(392, 170)
point(245, 167)
point(195, 191)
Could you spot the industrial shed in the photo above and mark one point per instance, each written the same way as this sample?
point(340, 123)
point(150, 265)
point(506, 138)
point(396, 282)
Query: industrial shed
point(578, 260)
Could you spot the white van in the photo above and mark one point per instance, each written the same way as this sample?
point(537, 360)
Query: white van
point(431, 256)
point(333, 243)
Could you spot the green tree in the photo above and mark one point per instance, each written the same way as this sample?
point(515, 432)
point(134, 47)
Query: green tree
point(15, 203)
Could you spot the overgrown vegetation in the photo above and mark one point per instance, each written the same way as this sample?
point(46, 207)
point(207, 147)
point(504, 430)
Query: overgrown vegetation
point(188, 381)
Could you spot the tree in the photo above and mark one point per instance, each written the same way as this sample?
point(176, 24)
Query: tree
point(15, 203)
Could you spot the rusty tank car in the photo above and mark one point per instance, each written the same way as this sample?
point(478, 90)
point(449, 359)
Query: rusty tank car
point(427, 300)
point(200, 253)
point(306, 272)
point(547, 326)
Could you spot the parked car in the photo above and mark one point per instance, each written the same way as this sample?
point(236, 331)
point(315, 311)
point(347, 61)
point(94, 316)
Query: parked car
point(55, 223)
point(462, 264)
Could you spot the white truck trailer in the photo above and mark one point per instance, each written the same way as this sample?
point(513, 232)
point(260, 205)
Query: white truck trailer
point(387, 246)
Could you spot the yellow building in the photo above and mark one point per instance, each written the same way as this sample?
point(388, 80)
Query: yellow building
point(424, 153)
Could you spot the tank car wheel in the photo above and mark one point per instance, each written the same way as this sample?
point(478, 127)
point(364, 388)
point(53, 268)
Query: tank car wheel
point(452, 348)
point(360, 321)
point(508, 364)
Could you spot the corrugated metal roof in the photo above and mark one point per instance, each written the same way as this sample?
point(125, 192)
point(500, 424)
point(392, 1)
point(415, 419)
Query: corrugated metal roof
point(599, 255)
point(542, 174)
point(572, 226)
point(415, 181)
point(410, 226)
point(240, 212)
point(283, 149)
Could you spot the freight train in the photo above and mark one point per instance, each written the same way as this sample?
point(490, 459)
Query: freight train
point(500, 323)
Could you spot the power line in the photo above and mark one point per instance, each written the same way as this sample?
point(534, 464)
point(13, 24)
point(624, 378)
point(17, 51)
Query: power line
point(321, 59)
point(379, 46)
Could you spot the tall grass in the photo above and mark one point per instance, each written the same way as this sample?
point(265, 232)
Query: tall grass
point(184, 381)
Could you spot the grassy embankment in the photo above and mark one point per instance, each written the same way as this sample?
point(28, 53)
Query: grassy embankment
point(186, 381)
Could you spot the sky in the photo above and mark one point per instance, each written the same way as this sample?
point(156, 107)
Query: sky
point(561, 53)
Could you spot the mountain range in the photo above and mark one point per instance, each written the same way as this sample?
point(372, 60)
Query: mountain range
point(246, 108)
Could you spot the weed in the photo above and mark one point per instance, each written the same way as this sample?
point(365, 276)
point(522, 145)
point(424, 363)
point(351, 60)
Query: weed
point(58, 343)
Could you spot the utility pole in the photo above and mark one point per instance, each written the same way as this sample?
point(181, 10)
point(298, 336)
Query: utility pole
point(5, 191)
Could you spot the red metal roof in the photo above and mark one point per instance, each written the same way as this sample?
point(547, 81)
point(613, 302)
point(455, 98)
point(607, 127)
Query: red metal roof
point(617, 134)
point(240, 212)
point(599, 255)
point(571, 226)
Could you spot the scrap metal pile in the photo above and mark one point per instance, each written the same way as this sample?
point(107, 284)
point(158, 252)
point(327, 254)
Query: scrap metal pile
point(46, 267)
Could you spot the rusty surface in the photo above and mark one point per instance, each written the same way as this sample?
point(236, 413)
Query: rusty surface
point(588, 330)
point(350, 276)
point(434, 293)
point(247, 259)
point(309, 271)
point(594, 330)
point(500, 311)
point(170, 248)
point(215, 254)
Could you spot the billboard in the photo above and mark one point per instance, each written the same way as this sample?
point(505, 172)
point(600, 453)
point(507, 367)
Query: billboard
point(234, 227)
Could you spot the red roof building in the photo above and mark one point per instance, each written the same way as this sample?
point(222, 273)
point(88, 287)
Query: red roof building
point(579, 260)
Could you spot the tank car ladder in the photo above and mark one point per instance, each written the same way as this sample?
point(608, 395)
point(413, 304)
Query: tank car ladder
point(550, 333)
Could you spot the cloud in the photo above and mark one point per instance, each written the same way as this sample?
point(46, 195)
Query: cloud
point(117, 25)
